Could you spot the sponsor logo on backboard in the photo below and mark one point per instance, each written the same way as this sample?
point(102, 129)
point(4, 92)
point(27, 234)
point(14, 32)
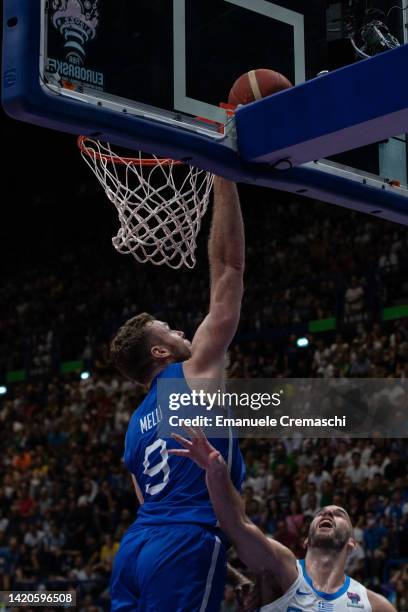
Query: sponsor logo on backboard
point(77, 22)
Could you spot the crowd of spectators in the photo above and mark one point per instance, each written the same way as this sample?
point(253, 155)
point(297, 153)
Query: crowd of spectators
point(290, 480)
point(311, 261)
point(366, 351)
point(65, 499)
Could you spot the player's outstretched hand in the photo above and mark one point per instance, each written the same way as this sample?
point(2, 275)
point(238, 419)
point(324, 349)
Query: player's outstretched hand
point(197, 448)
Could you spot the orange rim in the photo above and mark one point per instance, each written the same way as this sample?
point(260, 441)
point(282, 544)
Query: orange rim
point(136, 161)
point(145, 161)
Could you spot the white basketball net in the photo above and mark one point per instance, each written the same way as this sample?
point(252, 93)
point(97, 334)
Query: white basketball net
point(159, 213)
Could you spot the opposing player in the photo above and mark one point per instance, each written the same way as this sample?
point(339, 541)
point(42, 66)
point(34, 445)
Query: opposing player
point(316, 583)
point(173, 557)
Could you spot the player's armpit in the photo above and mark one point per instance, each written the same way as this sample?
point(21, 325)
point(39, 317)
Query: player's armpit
point(265, 590)
point(242, 585)
point(138, 490)
point(265, 556)
point(379, 603)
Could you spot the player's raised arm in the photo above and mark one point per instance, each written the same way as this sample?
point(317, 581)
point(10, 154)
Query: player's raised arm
point(258, 552)
point(226, 251)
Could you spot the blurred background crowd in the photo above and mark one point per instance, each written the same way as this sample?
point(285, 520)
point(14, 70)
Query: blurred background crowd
point(310, 262)
point(65, 499)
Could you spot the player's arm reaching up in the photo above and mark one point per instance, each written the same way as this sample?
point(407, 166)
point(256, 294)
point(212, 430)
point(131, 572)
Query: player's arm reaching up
point(226, 251)
point(260, 554)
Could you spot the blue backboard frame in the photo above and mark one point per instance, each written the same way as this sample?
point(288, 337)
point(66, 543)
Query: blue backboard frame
point(25, 98)
point(336, 118)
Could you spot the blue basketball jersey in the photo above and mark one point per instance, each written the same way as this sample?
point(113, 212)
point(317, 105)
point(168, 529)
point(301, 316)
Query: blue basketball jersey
point(173, 488)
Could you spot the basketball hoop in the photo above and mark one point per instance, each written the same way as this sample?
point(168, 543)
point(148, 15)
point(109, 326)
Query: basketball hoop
point(160, 212)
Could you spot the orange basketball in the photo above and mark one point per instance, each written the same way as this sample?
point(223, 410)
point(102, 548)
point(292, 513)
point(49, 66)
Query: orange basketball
point(257, 84)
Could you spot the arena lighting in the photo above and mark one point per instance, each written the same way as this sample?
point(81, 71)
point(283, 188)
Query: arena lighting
point(302, 342)
point(85, 375)
point(3, 390)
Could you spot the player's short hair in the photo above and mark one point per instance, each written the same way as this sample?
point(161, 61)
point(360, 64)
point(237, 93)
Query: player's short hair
point(130, 348)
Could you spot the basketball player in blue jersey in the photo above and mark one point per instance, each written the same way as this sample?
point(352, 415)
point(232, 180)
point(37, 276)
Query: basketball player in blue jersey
point(318, 583)
point(172, 559)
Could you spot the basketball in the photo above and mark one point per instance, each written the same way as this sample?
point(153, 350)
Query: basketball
point(257, 84)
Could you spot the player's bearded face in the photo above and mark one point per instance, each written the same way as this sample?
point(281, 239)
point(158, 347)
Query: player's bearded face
point(330, 529)
point(180, 349)
point(173, 340)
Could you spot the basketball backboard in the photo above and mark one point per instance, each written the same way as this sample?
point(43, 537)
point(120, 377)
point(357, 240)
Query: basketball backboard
point(178, 59)
point(167, 65)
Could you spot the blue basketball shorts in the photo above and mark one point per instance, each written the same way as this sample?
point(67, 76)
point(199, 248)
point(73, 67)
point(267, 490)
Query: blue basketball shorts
point(171, 568)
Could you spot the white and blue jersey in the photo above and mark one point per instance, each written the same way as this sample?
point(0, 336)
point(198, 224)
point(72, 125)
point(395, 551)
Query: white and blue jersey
point(303, 597)
point(173, 557)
